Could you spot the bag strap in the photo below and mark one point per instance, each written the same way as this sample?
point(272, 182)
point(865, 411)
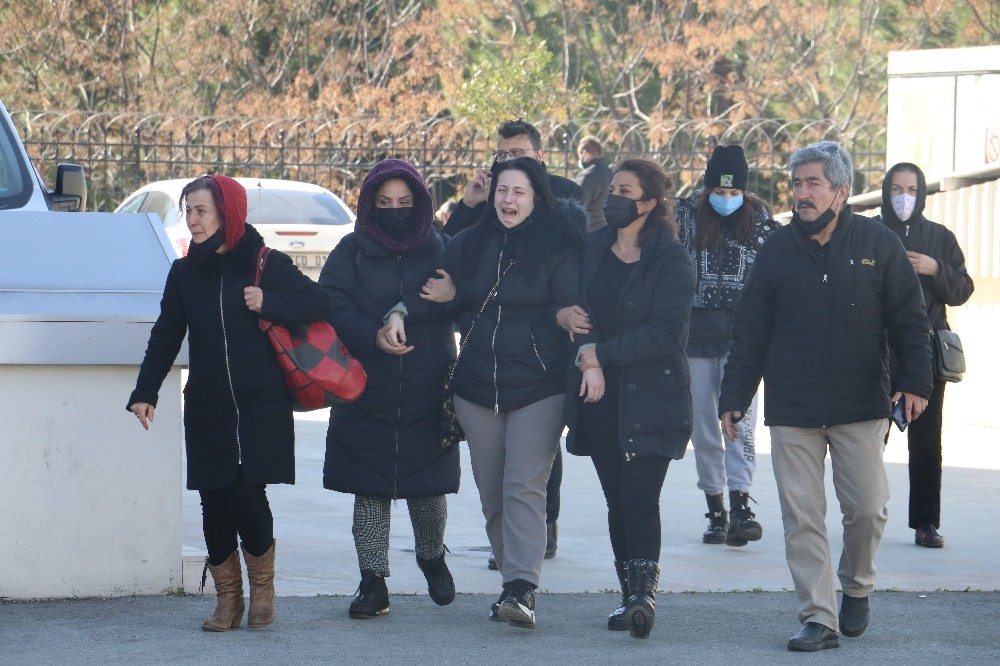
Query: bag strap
point(489, 297)
point(261, 262)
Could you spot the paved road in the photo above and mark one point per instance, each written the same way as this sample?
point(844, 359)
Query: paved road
point(719, 604)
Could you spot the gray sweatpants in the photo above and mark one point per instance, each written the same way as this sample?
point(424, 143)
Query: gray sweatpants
point(719, 461)
point(511, 454)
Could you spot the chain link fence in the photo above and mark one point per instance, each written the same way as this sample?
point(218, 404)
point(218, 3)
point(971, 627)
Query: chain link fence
point(123, 152)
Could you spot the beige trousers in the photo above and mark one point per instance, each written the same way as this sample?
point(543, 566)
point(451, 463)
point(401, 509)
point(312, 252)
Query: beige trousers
point(862, 487)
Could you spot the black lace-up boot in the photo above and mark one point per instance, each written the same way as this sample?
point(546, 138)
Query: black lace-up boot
point(717, 522)
point(742, 526)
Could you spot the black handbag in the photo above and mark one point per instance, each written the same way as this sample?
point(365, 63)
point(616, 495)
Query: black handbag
point(947, 356)
point(451, 430)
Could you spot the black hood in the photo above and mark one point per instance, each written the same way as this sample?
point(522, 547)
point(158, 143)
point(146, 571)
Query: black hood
point(888, 214)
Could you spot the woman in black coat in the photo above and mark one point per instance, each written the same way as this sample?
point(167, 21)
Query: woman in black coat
point(629, 403)
point(509, 275)
point(387, 444)
point(238, 424)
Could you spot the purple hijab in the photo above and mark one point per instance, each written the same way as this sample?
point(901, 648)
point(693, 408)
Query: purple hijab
point(423, 207)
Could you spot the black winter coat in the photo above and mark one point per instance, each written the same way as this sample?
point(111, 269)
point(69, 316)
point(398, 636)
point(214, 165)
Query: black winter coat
point(819, 336)
point(464, 217)
point(952, 285)
point(388, 442)
point(236, 407)
point(647, 344)
point(516, 353)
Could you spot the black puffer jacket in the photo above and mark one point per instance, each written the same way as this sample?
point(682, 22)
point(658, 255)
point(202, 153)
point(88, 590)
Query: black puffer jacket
point(818, 336)
point(516, 353)
point(388, 442)
point(647, 344)
point(236, 407)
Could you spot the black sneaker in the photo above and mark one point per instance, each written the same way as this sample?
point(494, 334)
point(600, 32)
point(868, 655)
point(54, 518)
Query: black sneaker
point(518, 608)
point(718, 523)
point(495, 607)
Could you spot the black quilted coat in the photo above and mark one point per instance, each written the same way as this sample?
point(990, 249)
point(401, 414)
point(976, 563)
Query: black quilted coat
point(236, 407)
point(388, 442)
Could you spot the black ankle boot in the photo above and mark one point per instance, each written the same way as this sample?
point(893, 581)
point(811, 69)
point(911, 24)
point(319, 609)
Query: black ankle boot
point(643, 577)
point(617, 620)
point(717, 523)
point(372, 599)
point(742, 526)
point(440, 584)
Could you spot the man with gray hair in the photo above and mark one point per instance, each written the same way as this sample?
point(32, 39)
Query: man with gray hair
point(825, 299)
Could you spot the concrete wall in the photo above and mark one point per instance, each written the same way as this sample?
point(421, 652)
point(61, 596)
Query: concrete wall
point(91, 502)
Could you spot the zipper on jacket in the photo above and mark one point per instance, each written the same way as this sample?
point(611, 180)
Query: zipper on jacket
point(399, 398)
point(229, 375)
point(496, 327)
point(537, 355)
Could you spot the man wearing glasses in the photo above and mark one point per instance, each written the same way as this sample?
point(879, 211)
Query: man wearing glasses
point(515, 138)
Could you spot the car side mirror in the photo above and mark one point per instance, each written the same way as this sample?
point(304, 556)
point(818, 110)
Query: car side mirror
point(71, 188)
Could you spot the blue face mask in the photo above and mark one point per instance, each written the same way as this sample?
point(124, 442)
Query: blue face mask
point(725, 205)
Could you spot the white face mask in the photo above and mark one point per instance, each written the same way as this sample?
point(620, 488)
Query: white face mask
point(903, 205)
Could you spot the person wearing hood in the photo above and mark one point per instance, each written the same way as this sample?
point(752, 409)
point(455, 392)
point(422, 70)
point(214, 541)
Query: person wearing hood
point(722, 226)
point(829, 295)
point(628, 403)
point(939, 263)
point(238, 427)
point(509, 276)
point(387, 444)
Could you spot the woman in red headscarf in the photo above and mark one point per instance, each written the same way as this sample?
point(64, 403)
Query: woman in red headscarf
point(238, 423)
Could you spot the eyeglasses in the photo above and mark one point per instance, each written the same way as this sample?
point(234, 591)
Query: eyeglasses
point(504, 155)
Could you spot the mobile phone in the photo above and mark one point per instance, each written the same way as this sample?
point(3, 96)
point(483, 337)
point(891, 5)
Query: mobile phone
point(898, 415)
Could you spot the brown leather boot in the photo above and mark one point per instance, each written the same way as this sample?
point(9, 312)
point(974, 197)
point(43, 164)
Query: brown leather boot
point(260, 571)
point(229, 605)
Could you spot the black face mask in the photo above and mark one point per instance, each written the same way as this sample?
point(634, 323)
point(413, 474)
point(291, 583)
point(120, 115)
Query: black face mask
point(211, 244)
point(817, 225)
point(620, 211)
point(395, 221)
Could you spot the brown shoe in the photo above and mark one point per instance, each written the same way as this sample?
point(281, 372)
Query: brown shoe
point(260, 571)
point(928, 537)
point(229, 604)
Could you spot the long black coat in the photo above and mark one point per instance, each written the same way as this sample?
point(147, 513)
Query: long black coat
point(647, 344)
point(388, 442)
point(236, 407)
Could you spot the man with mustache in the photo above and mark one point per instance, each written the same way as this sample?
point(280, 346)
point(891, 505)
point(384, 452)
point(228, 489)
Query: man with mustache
point(826, 298)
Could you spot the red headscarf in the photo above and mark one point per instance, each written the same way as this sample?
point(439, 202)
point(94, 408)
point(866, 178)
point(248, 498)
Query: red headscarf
point(234, 208)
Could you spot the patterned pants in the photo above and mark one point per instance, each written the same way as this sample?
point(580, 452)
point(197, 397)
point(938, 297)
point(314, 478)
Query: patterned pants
point(428, 516)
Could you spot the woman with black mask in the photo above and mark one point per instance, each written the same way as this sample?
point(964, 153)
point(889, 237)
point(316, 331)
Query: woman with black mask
point(629, 399)
point(387, 444)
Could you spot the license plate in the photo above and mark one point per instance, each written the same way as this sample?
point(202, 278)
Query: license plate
point(310, 264)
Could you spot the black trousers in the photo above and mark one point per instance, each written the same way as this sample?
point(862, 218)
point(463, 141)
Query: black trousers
point(632, 491)
point(240, 511)
point(924, 442)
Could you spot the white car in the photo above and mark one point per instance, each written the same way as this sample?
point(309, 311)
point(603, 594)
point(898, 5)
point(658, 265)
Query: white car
point(302, 220)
